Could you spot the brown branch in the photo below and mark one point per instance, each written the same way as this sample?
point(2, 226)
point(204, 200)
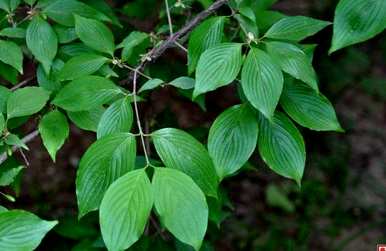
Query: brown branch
point(156, 52)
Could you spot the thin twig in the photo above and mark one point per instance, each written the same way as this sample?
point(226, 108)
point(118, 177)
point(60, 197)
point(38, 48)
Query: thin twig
point(170, 42)
point(181, 46)
point(29, 137)
point(169, 17)
point(22, 83)
point(140, 73)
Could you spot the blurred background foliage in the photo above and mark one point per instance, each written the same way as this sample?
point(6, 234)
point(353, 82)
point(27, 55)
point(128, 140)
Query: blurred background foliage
point(341, 204)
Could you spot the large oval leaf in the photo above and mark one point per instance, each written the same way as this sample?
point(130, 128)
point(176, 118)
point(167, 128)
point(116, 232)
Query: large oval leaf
point(54, 131)
point(217, 66)
point(295, 28)
point(181, 206)
point(11, 54)
point(125, 209)
point(86, 93)
point(181, 151)
point(308, 108)
point(204, 36)
point(117, 118)
point(42, 41)
point(105, 160)
point(26, 101)
point(262, 81)
point(95, 34)
point(356, 21)
point(293, 61)
point(21, 230)
point(232, 139)
point(282, 147)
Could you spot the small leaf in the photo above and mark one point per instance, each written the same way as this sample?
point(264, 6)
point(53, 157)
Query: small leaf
point(42, 41)
point(50, 82)
point(8, 174)
point(208, 34)
point(296, 28)
point(95, 34)
point(117, 118)
point(21, 230)
point(181, 151)
point(86, 93)
point(232, 139)
point(87, 120)
point(293, 61)
point(308, 108)
point(282, 147)
point(184, 83)
point(14, 140)
point(13, 32)
point(54, 131)
point(262, 81)
point(356, 21)
point(26, 101)
point(151, 84)
point(80, 66)
point(133, 40)
point(105, 160)
point(63, 12)
point(11, 54)
point(4, 95)
point(181, 206)
point(218, 66)
point(125, 210)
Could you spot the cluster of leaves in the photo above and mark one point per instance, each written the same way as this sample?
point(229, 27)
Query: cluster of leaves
point(77, 60)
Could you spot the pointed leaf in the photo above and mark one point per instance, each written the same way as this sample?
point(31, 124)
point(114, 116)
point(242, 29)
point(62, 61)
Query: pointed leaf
point(106, 160)
point(8, 174)
point(204, 36)
point(151, 84)
point(26, 101)
point(11, 54)
point(184, 83)
point(262, 81)
point(42, 41)
point(125, 210)
point(86, 93)
point(308, 108)
point(282, 147)
point(87, 120)
point(181, 151)
point(356, 21)
point(218, 66)
point(21, 230)
point(232, 139)
point(294, 62)
point(94, 34)
point(117, 118)
point(82, 65)
point(181, 206)
point(296, 28)
point(54, 131)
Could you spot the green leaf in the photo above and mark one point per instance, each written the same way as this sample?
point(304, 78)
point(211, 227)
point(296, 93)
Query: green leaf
point(133, 40)
point(8, 174)
point(63, 12)
point(308, 108)
point(30, 2)
point(232, 139)
point(4, 5)
point(49, 81)
point(54, 131)
point(218, 66)
point(80, 66)
point(26, 101)
point(208, 34)
point(86, 93)
point(277, 198)
point(95, 34)
point(4, 95)
point(282, 147)
point(181, 151)
point(2, 122)
point(181, 206)
point(105, 160)
point(21, 230)
point(184, 83)
point(65, 34)
point(3, 209)
point(11, 54)
point(293, 61)
point(125, 210)
point(117, 118)
point(248, 26)
point(151, 84)
point(295, 28)
point(262, 81)
point(87, 120)
point(13, 32)
point(42, 41)
point(14, 140)
point(356, 21)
